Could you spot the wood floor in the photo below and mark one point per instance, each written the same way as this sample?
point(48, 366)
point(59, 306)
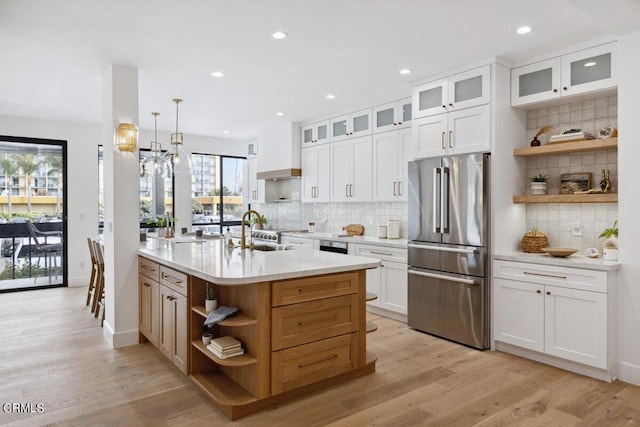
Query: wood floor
point(52, 352)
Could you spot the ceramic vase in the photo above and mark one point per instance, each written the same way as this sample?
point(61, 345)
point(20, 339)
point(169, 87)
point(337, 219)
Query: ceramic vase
point(538, 188)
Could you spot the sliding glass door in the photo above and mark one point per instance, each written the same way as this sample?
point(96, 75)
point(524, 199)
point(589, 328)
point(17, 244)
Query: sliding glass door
point(33, 242)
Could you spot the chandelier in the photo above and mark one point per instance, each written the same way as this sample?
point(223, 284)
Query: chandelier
point(179, 158)
point(156, 164)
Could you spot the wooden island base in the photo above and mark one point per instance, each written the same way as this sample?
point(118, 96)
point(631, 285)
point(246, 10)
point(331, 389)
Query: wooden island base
point(299, 335)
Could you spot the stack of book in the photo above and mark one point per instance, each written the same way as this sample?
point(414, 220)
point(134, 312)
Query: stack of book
point(225, 347)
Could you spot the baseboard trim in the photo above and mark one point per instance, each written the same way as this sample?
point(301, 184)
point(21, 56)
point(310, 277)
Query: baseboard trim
point(387, 313)
point(120, 339)
point(74, 282)
point(629, 373)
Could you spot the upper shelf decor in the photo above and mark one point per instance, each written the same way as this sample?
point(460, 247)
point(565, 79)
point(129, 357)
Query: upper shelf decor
point(567, 148)
point(570, 135)
point(535, 142)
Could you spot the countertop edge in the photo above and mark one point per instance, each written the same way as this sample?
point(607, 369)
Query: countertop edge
point(573, 261)
point(360, 240)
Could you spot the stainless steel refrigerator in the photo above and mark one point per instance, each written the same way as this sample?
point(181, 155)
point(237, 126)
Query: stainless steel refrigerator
point(448, 234)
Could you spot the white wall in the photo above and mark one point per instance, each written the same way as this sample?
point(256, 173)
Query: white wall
point(628, 207)
point(82, 175)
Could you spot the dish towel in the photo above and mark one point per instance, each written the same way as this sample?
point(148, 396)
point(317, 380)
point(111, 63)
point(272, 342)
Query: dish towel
point(219, 315)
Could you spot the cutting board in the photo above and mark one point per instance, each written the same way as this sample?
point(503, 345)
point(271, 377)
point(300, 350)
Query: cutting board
point(354, 229)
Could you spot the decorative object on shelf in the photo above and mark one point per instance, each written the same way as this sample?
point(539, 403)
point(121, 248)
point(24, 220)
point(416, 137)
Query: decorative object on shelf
point(354, 229)
point(156, 164)
point(206, 338)
point(539, 184)
point(559, 252)
point(570, 135)
point(393, 229)
point(312, 227)
point(225, 347)
point(218, 315)
point(211, 303)
point(534, 241)
point(592, 252)
point(164, 225)
point(571, 183)
point(180, 159)
point(605, 183)
point(610, 245)
point(126, 137)
point(607, 132)
point(535, 142)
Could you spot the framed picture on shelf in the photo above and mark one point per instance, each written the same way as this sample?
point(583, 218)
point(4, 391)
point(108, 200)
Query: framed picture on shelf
point(572, 182)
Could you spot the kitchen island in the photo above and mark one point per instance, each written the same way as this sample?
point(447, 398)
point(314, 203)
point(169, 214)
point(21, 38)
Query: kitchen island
point(301, 320)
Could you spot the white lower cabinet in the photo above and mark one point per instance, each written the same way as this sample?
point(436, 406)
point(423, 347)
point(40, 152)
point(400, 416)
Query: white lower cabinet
point(389, 281)
point(298, 242)
point(567, 313)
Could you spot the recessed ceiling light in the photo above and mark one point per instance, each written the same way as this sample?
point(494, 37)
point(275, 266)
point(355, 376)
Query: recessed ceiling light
point(279, 113)
point(405, 71)
point(590, 64)
point(331, 96)
point(226, 132)
point(217, 74)
point(523, 30)
point(279, 35)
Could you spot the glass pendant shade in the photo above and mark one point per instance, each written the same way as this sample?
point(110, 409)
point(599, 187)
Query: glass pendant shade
point(156, 164)
point(179, 158)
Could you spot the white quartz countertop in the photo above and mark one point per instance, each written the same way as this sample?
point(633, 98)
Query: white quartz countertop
point(214, 262)
point(370, 240)
point(577, 260)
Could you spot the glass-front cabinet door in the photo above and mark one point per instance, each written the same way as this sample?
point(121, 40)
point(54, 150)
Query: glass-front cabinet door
point(535, 82)
point(322, 132)
point(339, 128)
point(360, 123)
point(469, 89)
point(404, 113)
point(385, 117)
point(307, 135)
point(589, 70)
point(430, 98)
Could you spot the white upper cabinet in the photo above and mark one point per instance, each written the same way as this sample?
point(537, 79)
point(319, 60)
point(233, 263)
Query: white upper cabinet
point(315, 133)
point(456, 92)
point(256, 187)
point(458, 132)
point(576, 73)
point(351, 125)
point(316, 169)
point(351, 171)
point(391, 153)
point(394, 115)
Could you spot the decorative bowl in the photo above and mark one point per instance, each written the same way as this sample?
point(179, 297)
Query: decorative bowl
point(560, 252)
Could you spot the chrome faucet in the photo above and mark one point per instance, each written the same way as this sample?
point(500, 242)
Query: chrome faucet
point(243, 239)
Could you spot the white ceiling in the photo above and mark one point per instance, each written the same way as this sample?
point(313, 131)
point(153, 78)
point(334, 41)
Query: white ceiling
point(54, 53)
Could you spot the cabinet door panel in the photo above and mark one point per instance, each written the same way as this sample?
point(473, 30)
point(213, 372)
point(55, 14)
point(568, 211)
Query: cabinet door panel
point(385, 117)
point(323, 182)
point(361, 168)
point(406, 155)
point(429, 136)
point(519, 313)
point(576, 325)
point(360, 123)
point(536, 82)
point(340, 173)
point(309, 164)
point(589, 70)
point(322, 132)
point(393, 277)
point(405, 113)
point(339, 128)
point(430, 98)
point(470, 130)
point(373, 285)
point(386, 152)
point(469, 89)
point(181, 342)
point(167, 322)
point(307, 135)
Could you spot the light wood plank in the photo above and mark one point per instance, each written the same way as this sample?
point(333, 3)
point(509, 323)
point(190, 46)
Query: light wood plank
point(567, 147)
point(566, 198)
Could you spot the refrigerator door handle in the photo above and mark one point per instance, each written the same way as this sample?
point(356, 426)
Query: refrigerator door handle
point(450, 278)
point(436, 199)
point(444, 201)
point(444, 249)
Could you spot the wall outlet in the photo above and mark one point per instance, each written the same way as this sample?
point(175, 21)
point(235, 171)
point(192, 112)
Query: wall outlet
point(577, 229)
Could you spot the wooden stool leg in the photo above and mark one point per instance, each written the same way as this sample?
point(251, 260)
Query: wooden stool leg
point(92, 284)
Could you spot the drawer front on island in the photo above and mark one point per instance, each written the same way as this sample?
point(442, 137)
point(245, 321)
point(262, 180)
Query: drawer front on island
point(310, 363)
point(314, 288)
point(149, 268)
point(314, 320)
point(173, 279)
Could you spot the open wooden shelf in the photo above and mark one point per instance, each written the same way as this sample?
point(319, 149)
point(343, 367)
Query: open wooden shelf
point(567, 147)
point(222, 389)
point(567, 198)
point(239, 319)
point(371, 296)
point(371, 327)
point(242, 360)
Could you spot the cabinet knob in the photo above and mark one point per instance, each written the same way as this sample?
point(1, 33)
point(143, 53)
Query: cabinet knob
point(538, 291)
point(548, 293)
point(450, 105)
point(399, 123)
point(564, 88)
point(555, 91)
point(444, 106)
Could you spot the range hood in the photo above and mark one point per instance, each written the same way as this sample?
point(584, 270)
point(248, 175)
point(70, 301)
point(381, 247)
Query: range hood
point(280, 174)
point(279, 151)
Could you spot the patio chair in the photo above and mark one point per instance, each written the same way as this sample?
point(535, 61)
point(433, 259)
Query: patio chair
point(47, 249)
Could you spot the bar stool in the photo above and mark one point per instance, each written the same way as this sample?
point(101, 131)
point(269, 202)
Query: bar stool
point(94, 271)
point(98, 294)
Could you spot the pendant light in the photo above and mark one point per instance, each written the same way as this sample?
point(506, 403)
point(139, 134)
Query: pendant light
point(180, 159)
point(156, 164)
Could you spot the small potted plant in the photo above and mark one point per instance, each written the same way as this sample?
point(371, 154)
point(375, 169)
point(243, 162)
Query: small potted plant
point(610, 244)
point(539, 184)
point(163, 225)
point(210, 303)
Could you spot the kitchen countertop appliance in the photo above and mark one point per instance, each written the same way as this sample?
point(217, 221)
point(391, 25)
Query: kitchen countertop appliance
point(448, 231)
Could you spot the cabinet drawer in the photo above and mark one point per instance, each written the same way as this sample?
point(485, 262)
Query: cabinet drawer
point(298, 242)
point(310, 363)
point(173, 279)
point(382, 252)
point(568, 277)
point(149, 268)
point(313, 288)
point(302, 323)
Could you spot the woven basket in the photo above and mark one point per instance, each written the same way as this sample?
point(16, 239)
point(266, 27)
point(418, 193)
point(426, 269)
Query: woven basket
point(534, 241)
